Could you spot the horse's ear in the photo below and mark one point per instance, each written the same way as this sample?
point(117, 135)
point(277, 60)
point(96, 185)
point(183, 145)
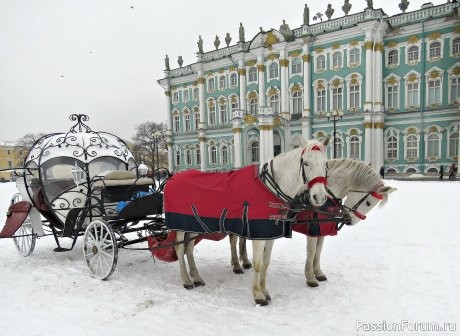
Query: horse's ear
point(326, 141)
point(386, 190)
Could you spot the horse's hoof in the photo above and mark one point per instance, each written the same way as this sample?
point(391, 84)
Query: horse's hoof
point(321, 278)
point(189, 287)
point(199, 283)
point(261, 302)
point(268, 298)
point(247, 266)
point(312, 284)
point(238, 271)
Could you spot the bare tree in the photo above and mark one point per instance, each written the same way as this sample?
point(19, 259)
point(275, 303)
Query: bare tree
point(24, 144)
point(150, 144)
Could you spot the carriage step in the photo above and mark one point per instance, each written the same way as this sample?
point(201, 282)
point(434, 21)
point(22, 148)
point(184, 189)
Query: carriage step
point(61, 249)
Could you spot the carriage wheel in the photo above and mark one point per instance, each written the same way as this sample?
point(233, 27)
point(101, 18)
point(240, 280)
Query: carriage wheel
point(24, 239)
point(100, 249)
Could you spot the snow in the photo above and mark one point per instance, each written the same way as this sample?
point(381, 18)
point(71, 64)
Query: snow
point(399, 264)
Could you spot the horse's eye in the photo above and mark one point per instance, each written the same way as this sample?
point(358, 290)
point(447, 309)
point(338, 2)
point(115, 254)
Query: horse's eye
point(368, 203)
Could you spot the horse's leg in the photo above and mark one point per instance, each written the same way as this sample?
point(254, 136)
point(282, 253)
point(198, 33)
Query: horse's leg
point(180, 251)
point(235, 263)
point(244, 254)
point(319, 275)
point(267, 255)
point(189, 246)
point(311, 251)
point(257, 259)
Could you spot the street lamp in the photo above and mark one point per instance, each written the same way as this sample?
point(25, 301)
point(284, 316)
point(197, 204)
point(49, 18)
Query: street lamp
point(334, 116)
point(157, 136)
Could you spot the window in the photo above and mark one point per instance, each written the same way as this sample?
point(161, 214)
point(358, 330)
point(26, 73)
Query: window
point(187, 122)
point(412, 54)
point(198, 155)
point(211, 85)
point(233, 80)
point(412, 94)
point(456, 46)
point(175, 97)
point(297, 102)
point(321, 100)
point(296, 66)
point(176, 123)
point(252, 75)
point(197, 120)
point(354, 96)
point(337, 98)
point(186, 95)
point(9, 151)
point(411, 146)
point(253, 106)
point(392, 96)
point(354, 56)
point(338, 147)
point(321, 63)
point(453, 144)
point(234, 104)
point(177, 157)
point(213, 155)
point(10, 164)
point(433, 145)
point(255, 152)
point(393, 58)
point(455, 89)
point(337, 60)
point(275, 103)
point(354, 147)
point(223, 113)
point(435, 50)
point(212, 114)
point(222, 82)
point(434, 92)
point(188, 157)
point(392, 148)
point(196, 93)
point(273, 73)
point(225, 155)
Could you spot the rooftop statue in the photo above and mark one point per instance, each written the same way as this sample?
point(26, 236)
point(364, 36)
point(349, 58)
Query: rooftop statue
point(329, 11)
point(228, 39)
point(286, 32)
point(346, 7)
point(200, 45)
point(306, 15)
point(167, 63)
point(370, 5)
point(217, 42)
point(241, 32)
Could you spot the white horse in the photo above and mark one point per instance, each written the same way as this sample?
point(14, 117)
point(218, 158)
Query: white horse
point(287, 175)
point(349, 178)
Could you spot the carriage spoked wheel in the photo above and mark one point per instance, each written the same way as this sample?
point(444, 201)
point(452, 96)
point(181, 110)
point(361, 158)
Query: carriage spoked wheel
point(24, 239)
point(100, 249)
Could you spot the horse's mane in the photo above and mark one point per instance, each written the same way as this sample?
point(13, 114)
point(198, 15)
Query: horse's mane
point(363, 176)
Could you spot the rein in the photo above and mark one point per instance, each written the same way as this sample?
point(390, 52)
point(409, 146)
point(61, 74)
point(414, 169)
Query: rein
point(367, 194)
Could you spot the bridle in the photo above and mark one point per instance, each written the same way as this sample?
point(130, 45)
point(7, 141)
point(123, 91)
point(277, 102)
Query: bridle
point(268, 178)
point(354, 208)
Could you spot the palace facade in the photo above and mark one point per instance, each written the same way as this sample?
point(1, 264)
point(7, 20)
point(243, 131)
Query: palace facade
point(388, 85)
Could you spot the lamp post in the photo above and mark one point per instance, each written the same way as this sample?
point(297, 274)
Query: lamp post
point(157, 136)
point(334, 116)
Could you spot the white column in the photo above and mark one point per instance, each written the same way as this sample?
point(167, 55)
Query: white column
point(377, 152)
point(378, 77)
point(261, 77)
point(284, 63)
point(237, 141)
point(203, 150)
point(266, 135)
point(202, 103)
point(169, 133)
point(369, 79)
point(306, 85)
point(367, 137)
point(242, 73)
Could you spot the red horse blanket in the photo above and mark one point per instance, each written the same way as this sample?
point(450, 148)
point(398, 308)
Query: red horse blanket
point(313, 229)
point(232, 202)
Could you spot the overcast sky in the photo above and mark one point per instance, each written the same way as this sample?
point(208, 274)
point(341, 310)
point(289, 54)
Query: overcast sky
point(103, 57)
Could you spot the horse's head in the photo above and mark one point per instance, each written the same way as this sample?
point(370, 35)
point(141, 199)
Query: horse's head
point(313, 169)
point(360, 203)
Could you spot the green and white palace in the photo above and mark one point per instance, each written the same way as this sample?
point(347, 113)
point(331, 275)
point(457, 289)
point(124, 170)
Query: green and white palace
point(388, 85)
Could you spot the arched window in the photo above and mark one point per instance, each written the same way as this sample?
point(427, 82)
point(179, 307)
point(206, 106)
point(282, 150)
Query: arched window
point(392, 148)
point(223, 113)
point(234, 104)
point(197, 120)
point(252, 75)
point(275, 103)
point(337, 60)
point(233, 80)
point(411, 146)
point(354, 95)
point(253, 106)
point(186, 95)
point(176, 123)
point(454, 88)
point(255, 152)
point(433, 145)
point(354, 56)
point(211, 85)
point(187, 122)
point(393, 57)
point(435, 49)
point(412, 54)
point(224, 155)
point(456, 46)
point(273, 73)
point(321, 62)
point(338, 147)
point(296, 66)
point(321, 99)
point(177, 157)
point(212, 114)
point(453, 144)
point(297, 102)
point(337, 98)
point(188, 157)
point(197, 155)
point(434, 91)
point(354, 147)
point(222, 82)
point(213, 151)
point(196, 94)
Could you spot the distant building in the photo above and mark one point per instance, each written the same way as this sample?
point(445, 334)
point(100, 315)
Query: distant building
point(395, 79)
point(10, 157)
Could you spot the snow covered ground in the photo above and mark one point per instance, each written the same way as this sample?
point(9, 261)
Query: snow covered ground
point(402, 263)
